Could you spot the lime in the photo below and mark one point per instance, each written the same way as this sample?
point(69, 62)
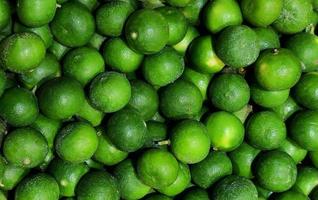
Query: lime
point(307, 180)
point(96, 41)
point(178, 3)
point(235, 187)
point(25, 147)
point(303, 129)
point(3, 164)
point(180, 100)
point(263, 193)
point(47, 160)
point(3, 80)
point(70, 139)
point(111, 17)
point(219, 14)
point(60, 98)
point(18, 107)
point(279, 69)
point(90, 4)
point(237, 46)
point(192, 11)
point(83, 64)
point(294, 150)
point(5, 14)
point(157, 168)
point(261, 12)
point(12, 176)
point(73, 24)
point(182, 46)
point(13, 56)
point(94, 164)
point(275, 171)
point(58, 49)
point(147, 31)
point(225, 130)
point(163, 68)
point(156, 132)
point(193, 135)
point(229, 92)
point(244, 113)
point(214, 167)
point(38, 186)
point(195, 193)
point(120, 57)
point(90, 114)
point(129, 185)
point(267, 38)
point(288, 108)
point(110, 92)
point(177, 23)
point(313, 155)
point(291, 195)
point(203, 57)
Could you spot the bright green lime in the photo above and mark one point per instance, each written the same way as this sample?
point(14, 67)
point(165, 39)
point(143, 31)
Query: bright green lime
point(12, 176)
point(192, 11)
point(291, 195)
point(294, 150)
point(5, 14)
point(267, 38)
point(195, 193)
point(307, 180)
point(90, 114)
point(58, 49)
point(182, 46)
point(156, 132)
point(287, 109)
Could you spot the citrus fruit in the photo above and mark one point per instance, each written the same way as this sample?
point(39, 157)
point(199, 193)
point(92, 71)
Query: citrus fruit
point(156, 132)
point(294, 150)
point(192, 11)
point(183, 45)
point(195, 193)
point(12, 176)
point(178, 3)
point(58, 49)
point(90, 114)
point(5, 14)
point(287, 109)
point(3, 80)
point(307, 180)
point(291, 195)
point(267, 38)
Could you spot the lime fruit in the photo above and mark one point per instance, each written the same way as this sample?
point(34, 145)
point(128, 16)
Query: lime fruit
point(12, 176)
point(267, 38)
point(90, 114)
point(178, 3)
point(195, 193)
point(287, 109)
point(156, 132)
point(5, 14)
point(291, 195)
point(192, 11)
point(183, 45)
point(294, 150)
point(307, 180)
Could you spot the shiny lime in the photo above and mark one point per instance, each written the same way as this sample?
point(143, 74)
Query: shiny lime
point(294, 150)
point(183, 45)
point(267, 38)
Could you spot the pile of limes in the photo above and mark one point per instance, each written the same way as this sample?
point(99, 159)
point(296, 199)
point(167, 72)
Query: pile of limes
point(158, 99)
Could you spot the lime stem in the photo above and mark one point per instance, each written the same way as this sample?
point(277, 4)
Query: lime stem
point(163, 142)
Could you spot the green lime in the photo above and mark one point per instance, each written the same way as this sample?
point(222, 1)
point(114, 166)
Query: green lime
point(5, 13)
point(3, 80)
point(291, 195)
point(195, 193)
point(90, 114)
point(263, 193)
point(157, 196)
point(111, 17)
point(147, 31)
point(235, 187)
point(180, 100)
point(275, 171)
point(157, 168)
point(60, 98)
point(67, 175)
point(244, 113)
point(293, 149)
point(183, 45)
point(214, 167)
point(287, 109)
point(110, 92)
point(73, 24)
point(267, 98)
point(47, 160)
point(13, 56)
point(178, 3)
point(294, 16)
point(177, 23)
point(267, 38)
point(313, 155)
point(265, 130)
point(38, 186)
point(83, 64)
point(277, 69)
point(156, 132)
point(229, 92)
point(193, 135)
point(144, 99)
point(261, 12)
point(94, 164)
point(36, 13)
point(47, 69)
point(120, 57)
point(127, 130)
point(220, 14)
point(225, 130)
point(106, 152)
point(237, 46)
point(305, 47)
point(90, 4)
point(306, 91)
point(203, 57)
point(192, 11)
point(3, 164)
point(12, 176)
point(25, 147)
point(307, 180)
point(18, 107)
point(58, 49)
point(97, 185)
point(242, 159)
point(129, 185)
point(96, 41)
point(70, 139)
point(303, 129)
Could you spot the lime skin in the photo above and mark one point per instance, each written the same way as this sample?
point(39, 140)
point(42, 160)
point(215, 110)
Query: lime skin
point(291, 195)
point(267, 37)
point(307, 179)
point(5, 14)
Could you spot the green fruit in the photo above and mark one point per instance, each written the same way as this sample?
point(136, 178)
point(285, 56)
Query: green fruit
point(291, 195)
point(267, 38)
point(178, 3)
point(69, 142)
point(90, 4)
point(220, 14)
point(111, 17)
point(265, 130)
point(38, 186)
point(237, 46)
point(127, 130)
point(307, 180)
point(96, 41)
point(288, 108)
point(229, 92)
point(58, 49)
point(163, 68)
point(225, 130)
point(275, 171)
point(12, 176)
point(83, 64)
point(3, 80)
point(73, 24)
point(192, 11)
point(313, 155)
point(244, 113)
point(94, 164)
point(5, 14)
point(60, 98)
point(120, 57)
point(195, 193)
point(214, 167)
point(182, 46)
point(303, 129)
point(21, 52)
point(157, 168)
point(18, 107)
point(147, 31)
point(203, 57)
point(97, 185)
point(90, 114)
point(129, 185)
point(261, 12)
point(156, 132)
point(180, 100)
point(263, 193)
point(110, 92)
point(235, 187)
point(293, 149)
